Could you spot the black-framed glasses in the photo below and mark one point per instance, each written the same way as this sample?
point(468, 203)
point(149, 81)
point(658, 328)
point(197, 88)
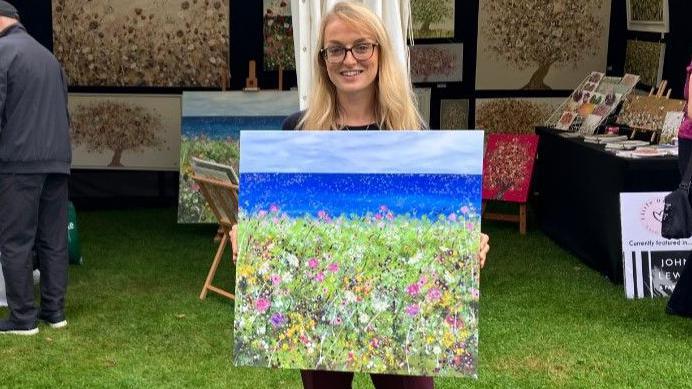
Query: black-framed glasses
point(360, 51)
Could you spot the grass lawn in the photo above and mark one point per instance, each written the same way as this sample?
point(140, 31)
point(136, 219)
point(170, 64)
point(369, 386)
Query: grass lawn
point(135, 319)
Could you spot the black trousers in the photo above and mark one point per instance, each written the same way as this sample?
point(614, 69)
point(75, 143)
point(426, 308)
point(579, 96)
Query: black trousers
point(681, 299)
point(318, 379)
point(33, 213)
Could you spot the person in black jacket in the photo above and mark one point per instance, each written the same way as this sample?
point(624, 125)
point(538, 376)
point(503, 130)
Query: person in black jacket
point(35, 157)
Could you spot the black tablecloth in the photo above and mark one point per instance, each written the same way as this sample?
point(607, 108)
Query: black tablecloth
point(578, 202)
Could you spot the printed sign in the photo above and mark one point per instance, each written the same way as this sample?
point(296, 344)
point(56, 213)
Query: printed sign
point(651, 263)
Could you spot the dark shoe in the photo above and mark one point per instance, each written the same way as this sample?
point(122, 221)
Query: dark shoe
point(54, 320)
point(674, 312)
point(11, 328)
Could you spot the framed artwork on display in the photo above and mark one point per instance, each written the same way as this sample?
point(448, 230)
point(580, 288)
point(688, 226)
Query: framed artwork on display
point(454, 114)
point(353, 244)
point(423, 99)
point(432, 18)
point(538, 44)
point(211, 126)
point(648, 15)
point(142, 43)
point(278, 35)
point(646, 60)
point(442, 62)
point(124, 131)
point(513, 115)
point(508, 166)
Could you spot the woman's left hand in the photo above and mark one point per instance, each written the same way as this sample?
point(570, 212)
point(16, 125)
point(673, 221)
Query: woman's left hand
point(483, 249)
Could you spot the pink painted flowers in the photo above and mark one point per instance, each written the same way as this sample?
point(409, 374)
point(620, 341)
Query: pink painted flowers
point(275, 279)
point(262, 304)
point(313, 263)
point(412, 310)
point(413, 289)
point(434, 294)
point(333, 267)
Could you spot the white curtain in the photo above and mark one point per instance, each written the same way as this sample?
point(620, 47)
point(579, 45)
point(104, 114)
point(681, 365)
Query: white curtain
point(307, 14)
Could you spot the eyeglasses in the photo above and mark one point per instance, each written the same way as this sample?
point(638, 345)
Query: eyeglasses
point(360, 51)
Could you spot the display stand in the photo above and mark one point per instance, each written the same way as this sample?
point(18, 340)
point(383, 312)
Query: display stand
point(222, 198)
point(508, 217)
point(652, 107)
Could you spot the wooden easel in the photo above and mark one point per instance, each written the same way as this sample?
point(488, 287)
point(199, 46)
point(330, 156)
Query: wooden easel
point(222, 198)
point(508, 217)
point(251, 84)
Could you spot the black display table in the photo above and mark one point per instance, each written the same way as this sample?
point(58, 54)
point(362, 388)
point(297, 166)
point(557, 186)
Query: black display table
point(578, 202)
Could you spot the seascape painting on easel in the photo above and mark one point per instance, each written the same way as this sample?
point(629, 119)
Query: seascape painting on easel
point(211, 125)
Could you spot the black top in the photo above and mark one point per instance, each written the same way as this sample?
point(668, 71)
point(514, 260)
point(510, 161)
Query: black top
point(34, 128)
point(291, 123)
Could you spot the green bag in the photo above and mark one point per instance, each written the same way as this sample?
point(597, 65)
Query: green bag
point(74, 248)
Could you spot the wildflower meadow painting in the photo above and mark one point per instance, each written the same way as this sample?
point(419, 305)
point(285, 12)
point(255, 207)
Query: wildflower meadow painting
point(358, 251)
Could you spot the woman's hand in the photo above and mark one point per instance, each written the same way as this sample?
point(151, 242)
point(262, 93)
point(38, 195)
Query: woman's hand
point(483, 249)
point(234, 242)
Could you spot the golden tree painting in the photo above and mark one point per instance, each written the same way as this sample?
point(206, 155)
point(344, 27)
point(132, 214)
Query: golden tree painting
point(166, 43)
point(116, 126)
point(539, 35)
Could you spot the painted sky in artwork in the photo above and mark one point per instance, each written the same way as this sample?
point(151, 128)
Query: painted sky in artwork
point(264, 103)
point(363, 152)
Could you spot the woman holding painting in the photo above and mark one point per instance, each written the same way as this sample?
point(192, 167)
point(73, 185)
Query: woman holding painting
point(359, 85)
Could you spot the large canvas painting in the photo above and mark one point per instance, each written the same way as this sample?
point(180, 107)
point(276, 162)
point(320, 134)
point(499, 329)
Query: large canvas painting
point(123, 131)
point(211, 125)
point(432, 18)
point(508, 166)
point(514, 115)
point(159, 43)
point(442, 62)
point(540, 44)
point(646, 60)
point(278, 35)
point(358, 251)
point(648, 15)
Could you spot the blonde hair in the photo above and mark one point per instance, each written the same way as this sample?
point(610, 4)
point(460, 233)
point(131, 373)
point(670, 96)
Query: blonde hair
point(395, 107)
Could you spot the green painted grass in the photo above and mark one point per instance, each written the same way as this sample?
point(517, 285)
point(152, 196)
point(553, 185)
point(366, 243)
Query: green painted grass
point(135, 320)
point(348, 293)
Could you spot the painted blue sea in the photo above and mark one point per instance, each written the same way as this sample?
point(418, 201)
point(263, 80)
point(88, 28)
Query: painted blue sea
point(225, 127)
point(306, 194)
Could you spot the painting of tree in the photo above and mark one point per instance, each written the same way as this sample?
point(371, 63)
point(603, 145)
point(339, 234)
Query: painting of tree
point(115, 126)
point(441, 62)
point(508, 167)
point(432, 18)
point(540, 44)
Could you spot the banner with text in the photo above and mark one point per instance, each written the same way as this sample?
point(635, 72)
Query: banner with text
point(651, 263)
